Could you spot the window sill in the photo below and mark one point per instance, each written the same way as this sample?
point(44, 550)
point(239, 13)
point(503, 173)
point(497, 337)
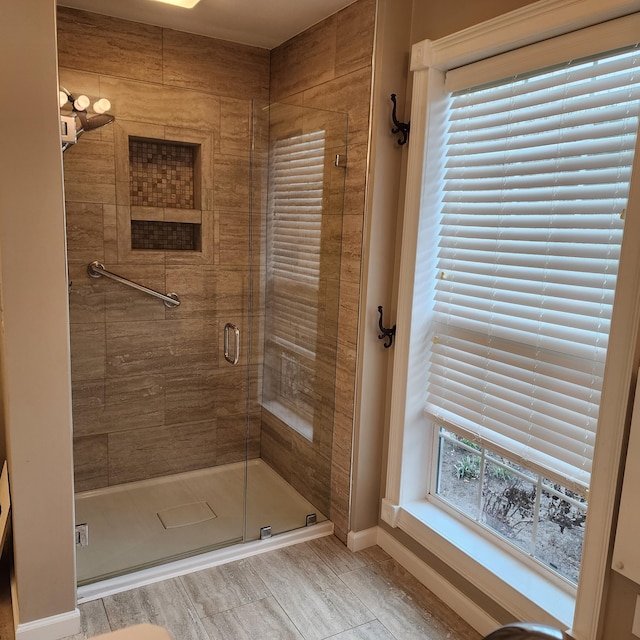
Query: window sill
point(515, 585)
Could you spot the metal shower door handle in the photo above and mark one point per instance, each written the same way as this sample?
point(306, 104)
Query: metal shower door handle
point(236, 348)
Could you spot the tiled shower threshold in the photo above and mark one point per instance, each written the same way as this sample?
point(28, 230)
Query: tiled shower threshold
point(156, 529)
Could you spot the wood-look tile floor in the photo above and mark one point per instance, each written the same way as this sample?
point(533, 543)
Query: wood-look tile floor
point(308, 591)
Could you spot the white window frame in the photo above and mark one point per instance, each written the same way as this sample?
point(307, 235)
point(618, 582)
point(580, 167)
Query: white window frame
point(479, 560)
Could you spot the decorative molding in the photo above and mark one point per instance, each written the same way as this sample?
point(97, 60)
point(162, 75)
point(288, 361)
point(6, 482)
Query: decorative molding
point(510, 582)
point(59, 626)
point(468, 610)
point(617, 394)
point(529, 24)
point(359, 540)
point(389, 513)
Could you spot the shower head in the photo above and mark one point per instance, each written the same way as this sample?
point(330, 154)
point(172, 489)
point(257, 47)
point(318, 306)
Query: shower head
point(94, 122)
point(79, 107)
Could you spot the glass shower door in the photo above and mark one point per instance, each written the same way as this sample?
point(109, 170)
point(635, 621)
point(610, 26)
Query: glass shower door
point(160, 415)
point(299, 170)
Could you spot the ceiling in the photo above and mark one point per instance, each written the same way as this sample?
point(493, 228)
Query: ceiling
point(262, 23)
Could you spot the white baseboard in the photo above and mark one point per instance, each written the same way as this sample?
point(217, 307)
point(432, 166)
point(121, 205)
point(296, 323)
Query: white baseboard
point(52, 628)
point(359, 540)
point(452, 597)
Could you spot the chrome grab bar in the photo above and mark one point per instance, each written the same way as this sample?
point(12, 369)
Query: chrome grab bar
point(96, 270)
point(236, 333)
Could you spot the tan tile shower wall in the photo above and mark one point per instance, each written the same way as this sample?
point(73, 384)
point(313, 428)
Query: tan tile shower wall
point(150, 388)
point(330, 67)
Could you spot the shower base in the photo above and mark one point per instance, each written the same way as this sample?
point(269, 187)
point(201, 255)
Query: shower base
point(143, 524)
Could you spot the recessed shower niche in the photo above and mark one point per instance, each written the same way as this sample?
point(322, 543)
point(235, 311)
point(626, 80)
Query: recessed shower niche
point(164, 180)
point(165, 195)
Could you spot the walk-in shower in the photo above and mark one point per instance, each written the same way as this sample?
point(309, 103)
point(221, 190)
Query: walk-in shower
point(206, 423)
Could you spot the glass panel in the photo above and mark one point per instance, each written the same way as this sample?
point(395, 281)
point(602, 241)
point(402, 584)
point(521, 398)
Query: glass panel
point(561, 530)
point(459, 476)
point(160, 417)
point(508, 503)
point(298, 197)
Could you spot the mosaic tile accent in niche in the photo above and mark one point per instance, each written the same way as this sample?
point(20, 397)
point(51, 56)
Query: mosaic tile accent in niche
point(165, 236)
point(162, 174)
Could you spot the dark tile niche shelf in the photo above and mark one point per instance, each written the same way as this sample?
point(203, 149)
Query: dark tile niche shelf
point(162, 174)
point(163, 178)
point(165, 236)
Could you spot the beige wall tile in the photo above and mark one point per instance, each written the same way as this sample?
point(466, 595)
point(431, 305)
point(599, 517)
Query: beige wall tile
point(342, 441)
point(85, 235)
point(88, 405)
point(90, 463)
point(215, 66)
point(235, 127)
point(348, 94)
point(355, 180)
point(196, 286)
point(133, 402)
point(345, 383)
point(79, 82)
point(310, 473)
point(234, 238)
point(340, 500)
point(110, 226)
point(86, 296)
point(276, 444)
point(351, 261)
point(306, 60)
point(83, 191)
point(232, 441)
point(191, 396)
point(116, 404)
point(88, 351)
point(354, 38)
point(166, 346)
point(349, 311)
point(90, 161)
point(158, 451)
point(161, 105)
point(230, 386)
point(101, 44)
point(231, 183)
point(125, 304)
point(232, 287)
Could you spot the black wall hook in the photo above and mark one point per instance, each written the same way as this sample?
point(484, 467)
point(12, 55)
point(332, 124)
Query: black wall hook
point(387, 334)
point(400, 127)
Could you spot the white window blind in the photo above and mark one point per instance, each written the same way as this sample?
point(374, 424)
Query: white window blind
point(295, 205)
point(536, 183)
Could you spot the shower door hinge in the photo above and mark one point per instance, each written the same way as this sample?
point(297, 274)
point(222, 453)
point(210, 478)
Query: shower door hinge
point(265, 532)
point(312, 519)
point(82, 535)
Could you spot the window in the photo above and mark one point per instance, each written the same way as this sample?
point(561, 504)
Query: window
point(519, 171)
point(536, 181)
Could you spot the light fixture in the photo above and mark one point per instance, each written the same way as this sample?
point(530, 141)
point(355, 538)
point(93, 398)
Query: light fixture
point(187, 4)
